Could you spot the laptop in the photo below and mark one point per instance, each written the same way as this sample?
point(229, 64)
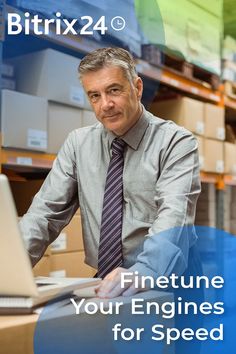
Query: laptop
point(18, 287)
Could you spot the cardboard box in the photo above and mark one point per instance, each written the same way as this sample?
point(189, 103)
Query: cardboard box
point(184, 111)
point(24, 121)
point(77, 211)
point(230, 158)
point(51, 74)
point(17, 334)
point(48, 251)
point(70, 264)
point(70, 239)
point(88, 118)
point(214, 156)
point(62, 119)
point(214, 118)
point(43, 267)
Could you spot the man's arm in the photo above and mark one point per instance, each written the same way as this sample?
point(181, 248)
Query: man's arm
point(171, 235)
point(54, 205)
point(167, 244)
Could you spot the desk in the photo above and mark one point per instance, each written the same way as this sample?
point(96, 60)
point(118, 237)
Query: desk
point(17, 333)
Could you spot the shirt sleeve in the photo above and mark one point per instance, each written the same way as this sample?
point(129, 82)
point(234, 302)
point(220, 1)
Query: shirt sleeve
point(54, 205)
point(172, 234)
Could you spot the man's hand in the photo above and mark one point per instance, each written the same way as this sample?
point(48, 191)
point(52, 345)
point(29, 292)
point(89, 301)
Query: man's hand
point(111, 285)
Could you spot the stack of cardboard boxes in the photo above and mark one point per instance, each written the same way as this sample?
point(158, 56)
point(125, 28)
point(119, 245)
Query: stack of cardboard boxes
point(65, 256)
point(207, 122)
point(48, 104)
point(216, 155)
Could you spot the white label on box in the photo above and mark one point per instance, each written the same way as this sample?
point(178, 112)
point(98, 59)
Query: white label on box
point(27, 161)
point(220, 134)
point(194, 90)
point(77, 95)
point(174, 82)
point(201, 162)
point(220, 166)
point(200, 128)
point(214, 97)
point(37, 139)
point(58, 273)
point(60, 243)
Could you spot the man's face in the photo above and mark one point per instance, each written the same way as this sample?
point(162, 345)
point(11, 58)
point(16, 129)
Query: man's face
point(114, 99)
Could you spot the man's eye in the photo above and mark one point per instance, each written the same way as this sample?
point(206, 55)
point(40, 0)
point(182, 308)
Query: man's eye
point(114, 91)
point(94, 97)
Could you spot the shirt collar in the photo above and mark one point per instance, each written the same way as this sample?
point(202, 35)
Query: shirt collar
point(134, 135)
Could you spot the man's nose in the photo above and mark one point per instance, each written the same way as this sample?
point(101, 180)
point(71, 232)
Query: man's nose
point(106, 102)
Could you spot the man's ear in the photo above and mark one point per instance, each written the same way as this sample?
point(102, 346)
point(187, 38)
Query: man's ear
point(139, 87)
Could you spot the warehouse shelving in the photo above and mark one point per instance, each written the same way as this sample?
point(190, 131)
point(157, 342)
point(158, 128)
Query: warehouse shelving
point(177, 81)
point(84, 45)
point(25, 159)
point(217, 179)
point(230, 102)
point(22, 160)
point(17, 160)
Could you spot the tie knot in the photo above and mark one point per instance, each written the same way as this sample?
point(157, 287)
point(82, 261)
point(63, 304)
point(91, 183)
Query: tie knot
point(118, 146)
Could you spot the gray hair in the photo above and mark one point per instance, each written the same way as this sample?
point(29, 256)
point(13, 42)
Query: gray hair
point(105, 57)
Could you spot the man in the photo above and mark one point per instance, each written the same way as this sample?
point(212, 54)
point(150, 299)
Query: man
point(133, 176)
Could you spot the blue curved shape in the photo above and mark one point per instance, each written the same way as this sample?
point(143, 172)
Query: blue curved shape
point(61, 331)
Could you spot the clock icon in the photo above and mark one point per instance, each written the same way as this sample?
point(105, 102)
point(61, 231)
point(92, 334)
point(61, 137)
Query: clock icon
point(118, 23)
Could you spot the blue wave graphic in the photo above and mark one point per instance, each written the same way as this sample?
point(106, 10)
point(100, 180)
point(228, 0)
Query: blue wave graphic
point(59, 330)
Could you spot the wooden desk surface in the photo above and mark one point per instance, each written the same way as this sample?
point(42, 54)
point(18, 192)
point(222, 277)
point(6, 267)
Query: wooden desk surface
point(13, 321)
point(17, 334)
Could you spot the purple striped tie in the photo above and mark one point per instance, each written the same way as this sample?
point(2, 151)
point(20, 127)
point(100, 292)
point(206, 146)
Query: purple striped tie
point(110, 246)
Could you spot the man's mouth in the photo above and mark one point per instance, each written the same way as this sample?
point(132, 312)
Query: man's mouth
point(110, 116)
